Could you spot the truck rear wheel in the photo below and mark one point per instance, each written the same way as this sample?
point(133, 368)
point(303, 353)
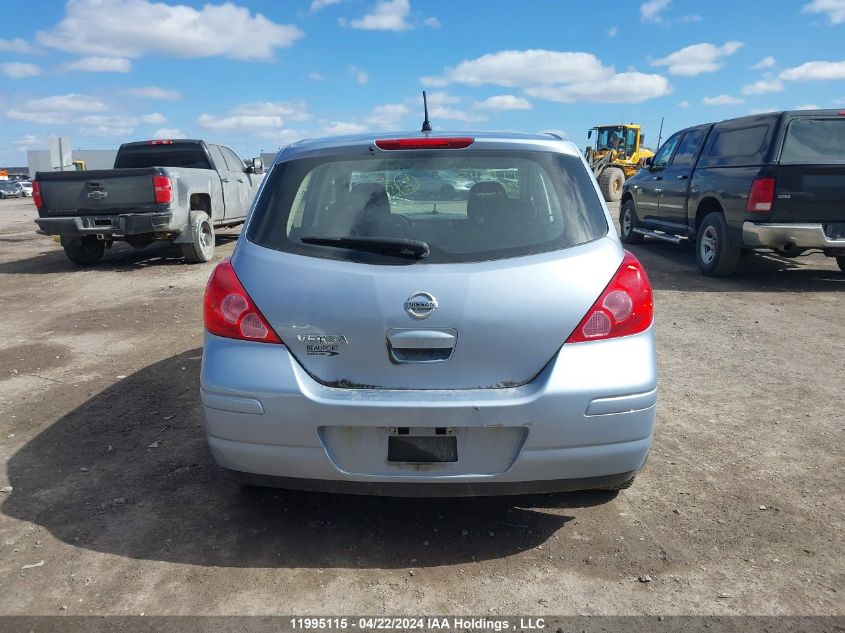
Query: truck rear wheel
point(715, 252)
point(201, 247)
point(83, 251)
point(610, 183)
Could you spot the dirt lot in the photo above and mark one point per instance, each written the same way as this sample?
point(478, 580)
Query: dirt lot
point(739, 510)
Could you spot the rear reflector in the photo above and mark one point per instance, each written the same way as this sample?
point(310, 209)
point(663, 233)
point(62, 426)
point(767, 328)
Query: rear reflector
point(228, 310)
point(160, 142)
point(36, 194)
point(163, 189)
point(624, 308)
point(459, 142)
point(761, 196)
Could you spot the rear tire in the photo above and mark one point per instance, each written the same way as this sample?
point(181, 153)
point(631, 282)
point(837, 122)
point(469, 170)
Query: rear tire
point(84, 251)
point(840, 259)
point(610, 183)
point(715, 252)
point(201, 247)
point(628, 221)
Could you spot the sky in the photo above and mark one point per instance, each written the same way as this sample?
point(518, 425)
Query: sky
point(257, 74)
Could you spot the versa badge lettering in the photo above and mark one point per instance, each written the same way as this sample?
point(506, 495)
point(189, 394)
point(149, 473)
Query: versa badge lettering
point(322, 344)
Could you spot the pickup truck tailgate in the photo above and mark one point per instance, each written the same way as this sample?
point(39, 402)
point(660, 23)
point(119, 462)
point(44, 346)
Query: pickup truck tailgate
point(99, 192)
point(810, 193)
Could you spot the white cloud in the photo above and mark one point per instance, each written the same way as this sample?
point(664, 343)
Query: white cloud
point(19, 70)
point(66, 103)
point(154, 92)
point(612, 31)
point(721, 100)
point(134, 28)
point(453, 114)
point(438, 98)
point(502, 103)
point(101, 65)
point(319, 5)
point(432, 22)
point(16, 45)
point(388, 15)
point(698, 58)
point(808, 106)
point(683, 104)
point(761, 110)
point(834, 9)
point(155, 118)
point(554, 75)
point(107, 126)
point(28, 142)
point(339, 128)
point(766, 62)
point(650, 11)
point(256, 116)
point(315, 77)
point(387, 116)
point(168, 132)
point(282, 137)
point(763, 86)
point(631, 87)
point(815, 71)
point(361, 76)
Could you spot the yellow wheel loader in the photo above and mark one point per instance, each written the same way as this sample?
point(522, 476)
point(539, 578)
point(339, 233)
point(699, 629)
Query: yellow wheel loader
point(616, 156)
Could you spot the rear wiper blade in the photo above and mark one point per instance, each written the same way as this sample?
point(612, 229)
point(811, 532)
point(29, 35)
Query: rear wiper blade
point(396, 246)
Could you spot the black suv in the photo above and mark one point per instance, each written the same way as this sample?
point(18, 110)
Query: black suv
point(771, 181)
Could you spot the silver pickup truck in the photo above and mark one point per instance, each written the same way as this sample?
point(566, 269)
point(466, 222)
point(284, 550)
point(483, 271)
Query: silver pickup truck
point(174, 190)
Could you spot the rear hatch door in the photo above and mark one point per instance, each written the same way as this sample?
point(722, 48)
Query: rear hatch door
point(97, 192)
point(811, 174)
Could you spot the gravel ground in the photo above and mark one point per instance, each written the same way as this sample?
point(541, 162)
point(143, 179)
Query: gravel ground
point(117, 507)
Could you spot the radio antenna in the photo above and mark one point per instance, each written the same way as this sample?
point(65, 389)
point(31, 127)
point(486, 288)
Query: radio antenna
point(426, 126)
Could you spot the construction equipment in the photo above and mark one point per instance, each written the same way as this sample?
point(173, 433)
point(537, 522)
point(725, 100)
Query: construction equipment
point(617, 155)
point(79, 165)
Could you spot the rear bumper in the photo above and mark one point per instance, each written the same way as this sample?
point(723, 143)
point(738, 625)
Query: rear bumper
point(760, 235)
point(585, 421)
point(108, 225)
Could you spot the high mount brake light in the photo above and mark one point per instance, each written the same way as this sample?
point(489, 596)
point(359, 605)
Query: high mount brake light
point(456, 142)
point(163, 189)
point(761, 196)
point(228, 310)
point(36, 194)
point(160, 142)
point(625, 306)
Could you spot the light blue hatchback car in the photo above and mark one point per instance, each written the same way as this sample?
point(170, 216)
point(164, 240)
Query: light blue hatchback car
point(493, 341)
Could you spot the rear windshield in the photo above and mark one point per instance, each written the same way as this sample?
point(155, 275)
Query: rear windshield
point(466, 206)
point(187, 155)
point(814, 141)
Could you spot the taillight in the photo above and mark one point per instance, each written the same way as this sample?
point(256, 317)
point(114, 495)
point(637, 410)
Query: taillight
point(762, 195)
point(624, 308)
point(229, 311)
point(163, 189)
point(36, 194)
point(456, 142)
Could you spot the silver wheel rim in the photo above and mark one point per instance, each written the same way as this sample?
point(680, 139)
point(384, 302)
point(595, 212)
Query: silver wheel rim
point(206, 236)
point(708, 245)
point(627, 222)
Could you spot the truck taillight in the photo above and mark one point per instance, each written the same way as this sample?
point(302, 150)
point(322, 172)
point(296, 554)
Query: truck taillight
point(36, 194)
point(624, 308)
point(163, 189)
point(761, 196)
point(229, 311)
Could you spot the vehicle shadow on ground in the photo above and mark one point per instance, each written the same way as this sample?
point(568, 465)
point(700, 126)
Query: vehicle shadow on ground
point(152, 491)
point(121, 257)
point(673, 267)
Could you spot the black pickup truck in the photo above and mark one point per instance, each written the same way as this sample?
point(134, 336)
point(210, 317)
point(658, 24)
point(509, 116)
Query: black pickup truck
point(772, 181)
point(176, 190)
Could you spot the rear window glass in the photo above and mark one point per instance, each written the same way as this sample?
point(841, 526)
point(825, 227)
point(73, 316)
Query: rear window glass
point(743, 142)
point(188, 156)
point(466, 206)
point(814, 140)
